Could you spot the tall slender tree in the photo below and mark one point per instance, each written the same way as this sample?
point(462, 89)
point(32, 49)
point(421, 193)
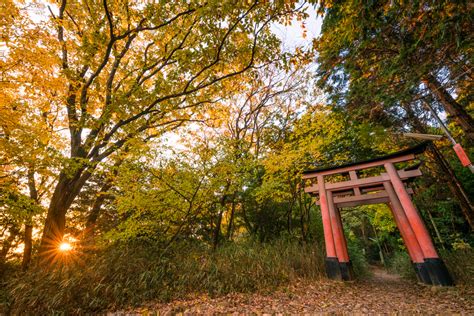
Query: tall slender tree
point(377, 54)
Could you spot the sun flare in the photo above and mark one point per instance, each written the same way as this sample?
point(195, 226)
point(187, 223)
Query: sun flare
point(65, 246)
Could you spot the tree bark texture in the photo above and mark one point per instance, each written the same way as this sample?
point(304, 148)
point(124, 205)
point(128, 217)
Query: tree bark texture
point(454, 185)
point(453, 108)
point(64, 194)
point(28, 236)
point(445, 172)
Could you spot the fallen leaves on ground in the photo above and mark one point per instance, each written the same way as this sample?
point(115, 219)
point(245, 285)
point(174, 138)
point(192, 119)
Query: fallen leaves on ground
point(382, 293)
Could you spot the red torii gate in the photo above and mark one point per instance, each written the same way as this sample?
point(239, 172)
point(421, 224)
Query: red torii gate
point(389, 187)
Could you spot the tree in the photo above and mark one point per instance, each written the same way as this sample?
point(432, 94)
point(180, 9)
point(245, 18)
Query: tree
point(197, 190)
point(375, 55)
point(125, 69)
point(28, 157)
point(270, 96)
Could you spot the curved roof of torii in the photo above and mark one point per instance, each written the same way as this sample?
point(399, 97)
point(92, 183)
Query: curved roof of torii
point(416, 150)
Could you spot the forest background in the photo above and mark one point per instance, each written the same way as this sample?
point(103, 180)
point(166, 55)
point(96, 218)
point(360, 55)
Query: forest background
point(149, 150)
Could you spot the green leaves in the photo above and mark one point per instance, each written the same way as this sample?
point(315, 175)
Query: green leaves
point(16, 206)
point(374, 54)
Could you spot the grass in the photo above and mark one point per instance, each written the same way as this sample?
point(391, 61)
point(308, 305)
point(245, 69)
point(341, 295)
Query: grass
point(400, 263)
point(358, 259)
point(128, 275)
point(460, 264)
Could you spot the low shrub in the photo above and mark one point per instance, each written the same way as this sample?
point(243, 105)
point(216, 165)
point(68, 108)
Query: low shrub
point(128, 275)
point(460, 263)
point(358, 258)
point(400, 263)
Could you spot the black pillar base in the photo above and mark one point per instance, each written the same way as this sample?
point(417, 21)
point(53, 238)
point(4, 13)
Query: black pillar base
point(439, 274)
point(347, 273)
point(332, 268)
point(422, 273)
point(336, 270)
point(433, 271)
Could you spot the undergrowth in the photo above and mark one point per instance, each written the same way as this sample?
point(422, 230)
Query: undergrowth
point(128, 275)
point(460, 264)
point(358, 259)
point(400, 263)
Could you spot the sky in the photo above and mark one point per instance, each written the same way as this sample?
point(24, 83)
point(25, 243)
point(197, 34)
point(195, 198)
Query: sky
point(292, 35)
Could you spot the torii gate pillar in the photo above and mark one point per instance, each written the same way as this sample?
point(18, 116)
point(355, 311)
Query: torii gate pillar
point(388, 187)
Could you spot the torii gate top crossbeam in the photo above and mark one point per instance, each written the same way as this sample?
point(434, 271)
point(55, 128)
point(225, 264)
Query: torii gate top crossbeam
point(404, 155)
point(360, 191)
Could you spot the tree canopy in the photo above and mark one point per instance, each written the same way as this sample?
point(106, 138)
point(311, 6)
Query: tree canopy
point(145, 134)
point(384, 57)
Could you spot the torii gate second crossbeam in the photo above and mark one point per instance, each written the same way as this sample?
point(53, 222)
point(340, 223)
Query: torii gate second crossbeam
point(389, 187)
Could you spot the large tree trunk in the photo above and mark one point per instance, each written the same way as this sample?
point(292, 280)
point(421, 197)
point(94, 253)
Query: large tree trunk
point(453, 108)
point(64, 194)
point(445, 171)
point(454, 185)
point(223, 201)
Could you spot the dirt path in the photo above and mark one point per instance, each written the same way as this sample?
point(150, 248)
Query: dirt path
point(382, 293)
